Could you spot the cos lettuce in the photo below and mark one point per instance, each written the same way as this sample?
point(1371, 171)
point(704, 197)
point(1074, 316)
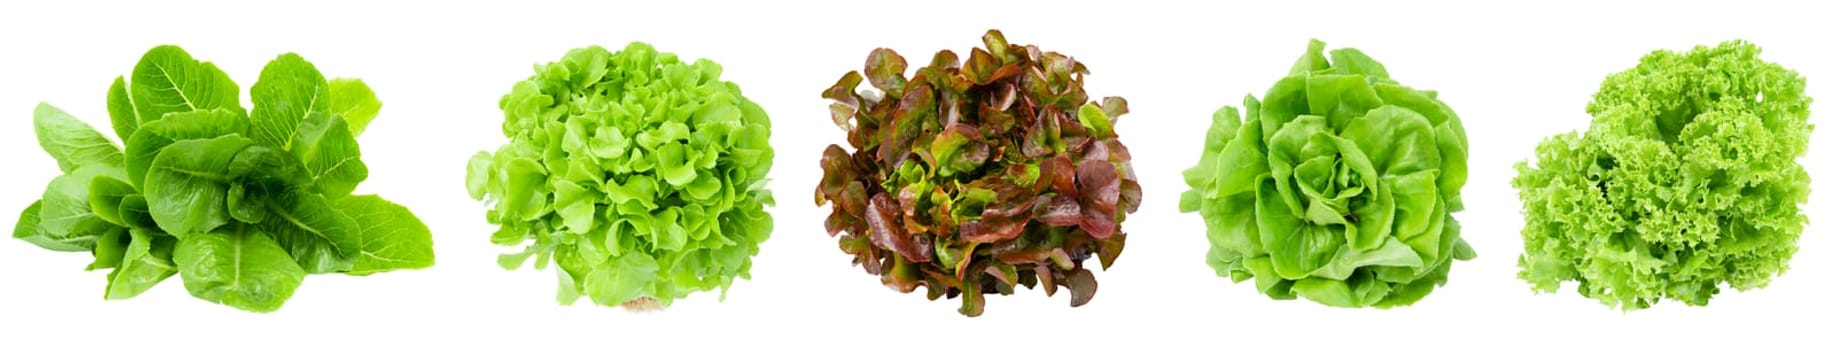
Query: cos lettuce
point(1338, 186)
point(240, 204)
point(640, 175)
point(1686, 181)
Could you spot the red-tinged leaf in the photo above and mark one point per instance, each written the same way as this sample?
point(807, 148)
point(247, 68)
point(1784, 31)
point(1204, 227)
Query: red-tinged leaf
point(889, 235)
point(996, 43)
point(1099, 184)
point(952, 106)
point(838, 222)
point(837, 172)
point(843, 116)
point(904, 277)
point(999, 224)
point(1109, 248)
point(853, 199)
point(1093, 151)
point(908, 201)
point(1083, 286)
point(843, 90)
point(939, 279)
point(1062, 260)
point(1060, 174)
point(886, 70)
point(1118, 152)
point(981, 67)
point(1002, 97)
point(1114, 107)
point(907, 124)
point(1003, 272)
point(972, 300)
point(1045, 279)
point(945, 59)
point(1097, 223)
point(1023, 257)
point(1130, 198)
point(1062, 210)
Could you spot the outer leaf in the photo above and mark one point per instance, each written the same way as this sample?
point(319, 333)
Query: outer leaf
point(121, 110)
point(168, 80)
point(241, 268)
point(389, 237)
point(66, 222)
point(148, 261)
point(352, 100)
point(72, 143)
point(290, 91)
point(314, 232)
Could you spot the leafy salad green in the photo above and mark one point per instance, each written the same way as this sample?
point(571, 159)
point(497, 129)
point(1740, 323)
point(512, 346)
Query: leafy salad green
point(640, 175)
point(241, 204)
point(1338, 186)
point(1687, 180)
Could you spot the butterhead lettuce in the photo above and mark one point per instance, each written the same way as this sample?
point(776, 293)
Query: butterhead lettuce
point(1338, 186)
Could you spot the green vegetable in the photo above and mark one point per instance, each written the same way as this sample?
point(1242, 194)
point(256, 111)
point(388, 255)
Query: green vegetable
point(974, 176)
point(1339, 186)
point(642, 176)
point(241, 205)
point(1687, 180)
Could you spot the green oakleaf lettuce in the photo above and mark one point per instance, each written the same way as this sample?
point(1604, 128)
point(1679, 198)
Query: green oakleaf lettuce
point(1338, 186)
point(640, 175)
point(1686, 180)
point(978, 174)
point(241, 205)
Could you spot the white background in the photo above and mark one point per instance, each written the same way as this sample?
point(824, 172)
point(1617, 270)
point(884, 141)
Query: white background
point(1515, 72)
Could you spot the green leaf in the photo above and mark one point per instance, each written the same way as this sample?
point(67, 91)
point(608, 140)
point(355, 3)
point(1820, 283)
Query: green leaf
point(109, 250)
point(316, 234)
point(1398, 141)
point(148, 260)
point(289, 91)
point(105, 196)
point(389, 237)
point(66, 222)
point(121, 110)
point(620, 280)
point(155, 135)
point(71, 142)
point(187, 186)
point(478, 175)
point(1093, 119)
point(352, 100)
point(238, 267)
point(329, 151)
point(168, 80)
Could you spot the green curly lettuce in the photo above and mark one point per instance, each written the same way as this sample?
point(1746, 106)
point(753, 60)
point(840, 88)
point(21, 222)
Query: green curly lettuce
point(1686, 180)
point(1339, 186)
point(640, 175)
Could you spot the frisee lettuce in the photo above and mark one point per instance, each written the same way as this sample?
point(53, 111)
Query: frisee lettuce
point(640, 175)
point(241, 205)
point(1687, 180)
